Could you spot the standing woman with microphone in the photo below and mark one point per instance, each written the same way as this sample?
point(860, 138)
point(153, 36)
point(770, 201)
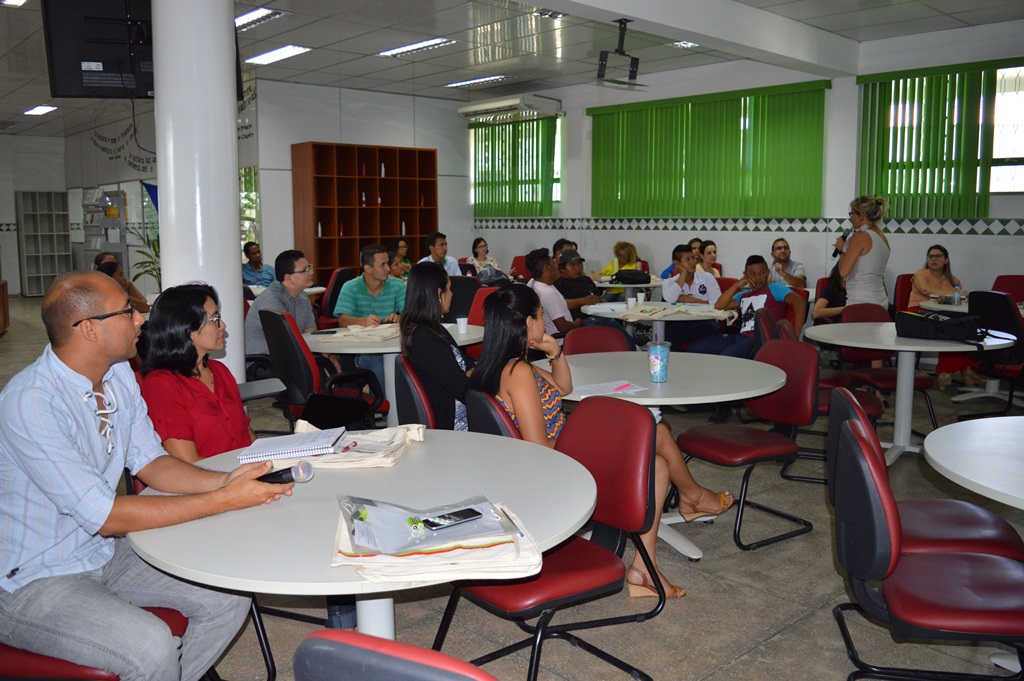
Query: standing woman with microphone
point(865, 256)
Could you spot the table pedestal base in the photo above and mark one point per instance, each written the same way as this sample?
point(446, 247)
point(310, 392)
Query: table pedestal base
point(375, 614)
point(1006, 661)
point(677, 541)
point(991, 389)
point(389, 391)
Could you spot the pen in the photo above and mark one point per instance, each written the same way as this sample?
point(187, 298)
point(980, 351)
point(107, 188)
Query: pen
point(509, 518)
point(349, 446)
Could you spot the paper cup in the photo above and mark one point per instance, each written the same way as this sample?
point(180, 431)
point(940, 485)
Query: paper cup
point(463, 323)
point(641, 297)
point(657, 356)
point(630, 303)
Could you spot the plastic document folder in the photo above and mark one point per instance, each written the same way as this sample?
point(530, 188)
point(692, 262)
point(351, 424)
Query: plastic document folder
point(364, 449)
point(362, 334)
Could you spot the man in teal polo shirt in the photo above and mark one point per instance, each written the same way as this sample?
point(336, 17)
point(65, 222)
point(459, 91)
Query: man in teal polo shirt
point(371, 299)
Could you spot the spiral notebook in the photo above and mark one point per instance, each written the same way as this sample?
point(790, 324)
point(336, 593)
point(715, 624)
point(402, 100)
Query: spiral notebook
point(294, 446)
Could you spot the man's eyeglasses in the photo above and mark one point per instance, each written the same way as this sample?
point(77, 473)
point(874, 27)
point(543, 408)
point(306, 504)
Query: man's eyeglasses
point(130, 310)
point(305, 270)
point(215, 319)
point(781, 248)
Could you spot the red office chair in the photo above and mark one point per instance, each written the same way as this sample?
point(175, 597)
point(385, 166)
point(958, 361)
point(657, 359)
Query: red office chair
point(718, 267)
point(329, 299)
point(765, 329)
point(295, 365)
point(901, 296)
point(333, 655)
point(792, 406)
point(882, 378)
point(588, 339)
point(950, 596)
point(519, 265)
point(828, 378)
point(615, 441)
point(411, 397)
point(476, 318)
point(725, 282)
point(928, 525)
point(21, 664)
point(643, 266)
point(790, 313)
point(1012, 284)
point(485, 415)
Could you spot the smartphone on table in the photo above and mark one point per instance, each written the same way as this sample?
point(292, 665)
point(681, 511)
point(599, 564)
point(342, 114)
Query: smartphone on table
point(463, 515)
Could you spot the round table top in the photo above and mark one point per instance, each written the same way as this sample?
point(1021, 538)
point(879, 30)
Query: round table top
point(962, 308)
point(688, 312)
point(318, 342)
point(286, 547)
point(982, 455)
point(606, 282)
point(692, 378)
point(882, 336)
point(311, 291)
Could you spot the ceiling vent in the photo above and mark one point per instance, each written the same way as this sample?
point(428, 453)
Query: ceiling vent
point(515, 108)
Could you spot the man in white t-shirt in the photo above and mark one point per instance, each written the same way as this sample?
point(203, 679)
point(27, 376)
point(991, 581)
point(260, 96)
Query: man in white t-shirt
point(689, 286)
point(557, 318)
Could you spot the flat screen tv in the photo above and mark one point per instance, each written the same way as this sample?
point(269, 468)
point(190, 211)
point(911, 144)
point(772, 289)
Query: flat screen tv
point(103, 49)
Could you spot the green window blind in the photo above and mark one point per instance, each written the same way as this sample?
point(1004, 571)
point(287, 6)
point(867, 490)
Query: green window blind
point(513, 168)
point(926, 142)
point(742, 154)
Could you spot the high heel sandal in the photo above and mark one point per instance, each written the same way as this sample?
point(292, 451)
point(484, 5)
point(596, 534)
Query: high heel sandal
point(724, 504)
point(972, 377)
point(944, 381)
point(645, 589)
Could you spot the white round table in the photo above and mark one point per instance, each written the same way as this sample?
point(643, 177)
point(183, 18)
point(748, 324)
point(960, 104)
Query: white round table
point(311, 291)
point(319, 341)
point(692, 379)
point(687, 312)
point(606, 282)
point(936, 306)
point(882, 336)
point(286, 547)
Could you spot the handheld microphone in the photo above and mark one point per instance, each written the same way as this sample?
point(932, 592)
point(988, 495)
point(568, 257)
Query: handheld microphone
point(300, 472)
point(846, 235)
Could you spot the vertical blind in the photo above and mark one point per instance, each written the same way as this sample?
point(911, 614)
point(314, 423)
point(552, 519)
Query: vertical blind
point(926, 142)
point(513, 168)
point(743, 154)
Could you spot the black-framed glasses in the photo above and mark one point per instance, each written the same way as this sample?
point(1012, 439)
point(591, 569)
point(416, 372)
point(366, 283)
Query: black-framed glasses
point(215, 319)
point(781, 248)
point(305, 270)
point(935, 256)
point(855, 212)
point(130, 310)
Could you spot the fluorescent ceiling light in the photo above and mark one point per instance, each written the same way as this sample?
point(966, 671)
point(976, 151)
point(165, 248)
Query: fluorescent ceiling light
point(685, 44)
point(416, 47)
point(276, 55)
point(478, 81)
point(40, 110)
point(549, 14)
point(13, 3)
point(256, 17)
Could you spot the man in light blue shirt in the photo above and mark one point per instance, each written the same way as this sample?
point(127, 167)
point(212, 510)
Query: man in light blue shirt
point(437, 244)
point(254, 272)
point(73, 420)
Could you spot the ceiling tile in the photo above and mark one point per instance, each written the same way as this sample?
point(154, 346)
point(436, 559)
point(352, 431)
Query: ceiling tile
point(276, 72)
point(317, 78)
point(478, 56)
point(361, 82)
point(993, 14)
point(391, 12)
point(322, 33)
point(319, 8)
point(459, 18)
point(955, 6)
point(396, 88)
point(316, 59)
point(877, 17)
point(361, 66)
point(802, 10)
point(380, 40)
point(409, 71)
point(283, 24)
point(898, 29)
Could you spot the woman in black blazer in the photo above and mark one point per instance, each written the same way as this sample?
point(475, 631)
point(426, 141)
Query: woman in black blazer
point(441, 366)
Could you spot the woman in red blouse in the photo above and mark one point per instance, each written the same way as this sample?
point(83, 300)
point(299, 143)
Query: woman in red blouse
point(193, 400)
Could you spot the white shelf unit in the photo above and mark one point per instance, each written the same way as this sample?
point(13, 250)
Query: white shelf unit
point(103, 221)
point(44, 239)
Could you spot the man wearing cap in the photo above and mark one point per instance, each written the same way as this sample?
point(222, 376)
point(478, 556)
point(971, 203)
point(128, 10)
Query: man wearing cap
point(578, 290)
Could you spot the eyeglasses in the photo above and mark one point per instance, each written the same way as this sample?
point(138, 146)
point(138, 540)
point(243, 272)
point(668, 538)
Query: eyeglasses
point(781, 248)
point(855, 212)
point(215, 319)
point(130, 310)
point(935, 256)
point(305, 270)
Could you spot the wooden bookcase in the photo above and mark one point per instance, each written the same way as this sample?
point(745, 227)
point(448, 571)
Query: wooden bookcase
point(348, 196)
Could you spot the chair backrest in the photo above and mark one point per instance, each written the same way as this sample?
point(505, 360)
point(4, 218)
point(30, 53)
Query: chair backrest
point(247, 293)
point(901, 294)
point(476, 318)
point(843, 407)
point(786, 330)
point(334, 654)
point(330, 298)
point(764, 328)
point(485, 415)
point(790, 313)
point(413, 403)
point(463, 292)
point(290, 357)
point(587, 339)
point(863, 312)
point(615, 441)
point(643, 266)
point(867, 520)
point(519, 265)
point(467, 269)
point(718, 267)
point(997, 312)
point(725, 282)
point(1012, 284)
point(795, 403)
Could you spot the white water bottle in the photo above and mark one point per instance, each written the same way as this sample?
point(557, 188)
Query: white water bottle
point(957, 298)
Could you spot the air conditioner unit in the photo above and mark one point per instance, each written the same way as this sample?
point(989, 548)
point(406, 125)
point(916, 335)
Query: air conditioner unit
point(513, 108)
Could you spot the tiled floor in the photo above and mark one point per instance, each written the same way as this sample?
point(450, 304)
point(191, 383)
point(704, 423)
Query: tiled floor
point(763, 615)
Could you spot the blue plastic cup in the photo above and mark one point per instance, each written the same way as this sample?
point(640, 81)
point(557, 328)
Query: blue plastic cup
point(657, 355)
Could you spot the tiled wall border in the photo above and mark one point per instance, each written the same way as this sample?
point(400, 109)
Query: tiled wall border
point(983, 226)
point(8, 227)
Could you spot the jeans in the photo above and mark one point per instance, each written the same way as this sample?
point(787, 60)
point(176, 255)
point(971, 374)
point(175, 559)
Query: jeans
point(374, 363)
point(95, 619)
point(681, 333)
point(341, 612)
point(732, 345)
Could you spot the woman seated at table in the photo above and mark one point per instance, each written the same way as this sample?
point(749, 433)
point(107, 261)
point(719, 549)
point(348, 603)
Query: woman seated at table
point(708, 258)
point(936, 279)
point(830, 304)
point(440, 364)
point(401, 247)
point(533, 399)
point(626, 258)
point(480, 258)
point(193, 400)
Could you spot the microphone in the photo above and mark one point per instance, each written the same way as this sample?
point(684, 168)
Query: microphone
point(846, 235)
point(300, 472)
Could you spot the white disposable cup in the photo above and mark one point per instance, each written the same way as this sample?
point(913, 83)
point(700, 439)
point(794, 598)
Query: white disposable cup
point(463, 323)
point(641, 296)
point(630, 303)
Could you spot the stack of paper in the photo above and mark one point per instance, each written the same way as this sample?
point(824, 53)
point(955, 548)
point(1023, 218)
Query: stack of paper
point(614, 388)
point(363, 334)
point(366, 449)
point(494, 546)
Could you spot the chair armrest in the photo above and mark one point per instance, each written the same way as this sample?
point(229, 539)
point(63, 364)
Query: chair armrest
point(255, 390)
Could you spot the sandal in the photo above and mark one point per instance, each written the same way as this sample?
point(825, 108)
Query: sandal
point(645, 589)
point(944, 381)
point(724, 503)
point(972, 377)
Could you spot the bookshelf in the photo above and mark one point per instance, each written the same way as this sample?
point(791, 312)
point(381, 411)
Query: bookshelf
point(44, 239)
point(348, 196)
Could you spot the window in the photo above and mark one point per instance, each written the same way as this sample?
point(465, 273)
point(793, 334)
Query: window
point(736, 154)
point(249, 198)
point(514, 169)
point(928, 138)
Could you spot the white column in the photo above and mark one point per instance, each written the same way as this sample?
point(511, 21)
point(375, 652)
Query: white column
point(197, 154)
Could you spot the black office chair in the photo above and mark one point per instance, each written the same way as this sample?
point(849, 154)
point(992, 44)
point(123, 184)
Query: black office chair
point(411, 397)
point(463, 291)
point(485, 415)
point(998, 313)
